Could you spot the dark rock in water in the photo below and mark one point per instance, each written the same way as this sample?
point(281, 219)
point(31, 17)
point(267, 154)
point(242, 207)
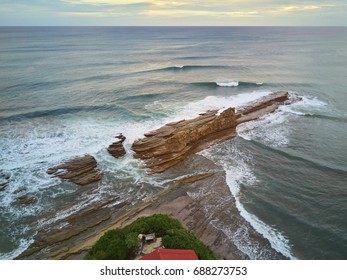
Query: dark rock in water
point(116, 149)
point(26, 199)
point(4, 179)
point(80, 170)
point(121, 137)
point(19, 190)
point(172, 143)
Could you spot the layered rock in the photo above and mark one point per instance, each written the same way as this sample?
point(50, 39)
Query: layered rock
point(262, 106)
point(116, 149)
point(79, 170)
point(63, 229)
point(202, 202)
point(172, 143)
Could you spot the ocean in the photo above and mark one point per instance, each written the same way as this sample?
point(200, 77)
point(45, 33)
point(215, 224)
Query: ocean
point(67, 91)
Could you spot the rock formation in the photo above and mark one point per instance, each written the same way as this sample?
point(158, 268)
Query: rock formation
point(116, 149)
point(262, 106)
point(80, 170)
point(172, 143)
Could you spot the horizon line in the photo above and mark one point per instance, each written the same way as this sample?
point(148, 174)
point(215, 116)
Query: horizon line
point(173, 26)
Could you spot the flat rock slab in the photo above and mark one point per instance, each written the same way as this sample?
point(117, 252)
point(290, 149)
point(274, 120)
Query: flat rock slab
point(79, 170)
point(263, 106)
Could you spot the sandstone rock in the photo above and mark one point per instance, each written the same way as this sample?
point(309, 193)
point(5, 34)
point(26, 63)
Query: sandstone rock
point(116, 149)
point(263, 106)
point(172, 143)
point(80, 170)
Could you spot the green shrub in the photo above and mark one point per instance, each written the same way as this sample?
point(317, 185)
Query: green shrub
point(183, 239)
point(122, 244)
point(158, 224)
point(110, 246)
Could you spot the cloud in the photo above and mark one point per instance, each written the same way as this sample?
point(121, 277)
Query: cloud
point(194, 13)
point(299, 8)
point(193, 8)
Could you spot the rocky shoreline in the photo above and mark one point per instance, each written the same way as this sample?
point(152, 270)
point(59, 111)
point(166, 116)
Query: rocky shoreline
point(201, 200)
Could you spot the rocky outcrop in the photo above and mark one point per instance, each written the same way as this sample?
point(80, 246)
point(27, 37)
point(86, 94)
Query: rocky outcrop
point(80, 170)
point(172, 143)
point(262, 106)
point(116, 149)
point(61, 229)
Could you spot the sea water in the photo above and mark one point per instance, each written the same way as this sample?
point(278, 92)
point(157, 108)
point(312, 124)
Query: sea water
point(67, 91)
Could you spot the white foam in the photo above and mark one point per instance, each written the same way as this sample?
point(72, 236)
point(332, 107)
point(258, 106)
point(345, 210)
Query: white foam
point(179, 66)
point(192, 109)
point(308, 105)
point(23, 245)
point(228, 84)
point(270, 130)
point(238, 171)
point(277, 239)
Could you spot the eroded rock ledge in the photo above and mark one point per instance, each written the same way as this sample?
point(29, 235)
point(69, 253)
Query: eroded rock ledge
point(79, 170)
point(165, 147)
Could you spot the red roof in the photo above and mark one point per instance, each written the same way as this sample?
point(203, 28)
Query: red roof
point(171, 254)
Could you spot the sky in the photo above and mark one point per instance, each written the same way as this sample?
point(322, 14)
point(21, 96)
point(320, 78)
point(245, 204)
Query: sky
point(173, 13)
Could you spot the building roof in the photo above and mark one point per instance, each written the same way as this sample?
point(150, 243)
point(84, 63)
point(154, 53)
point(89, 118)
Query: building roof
point(171, 254)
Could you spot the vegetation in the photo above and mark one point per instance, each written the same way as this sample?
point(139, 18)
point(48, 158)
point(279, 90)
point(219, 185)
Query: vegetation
point(182, 239)
point(122, 244)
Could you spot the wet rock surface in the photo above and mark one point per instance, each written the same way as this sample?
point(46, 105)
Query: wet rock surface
point(262, 106)
point(4, 180)
point(79, 170)
point(116, 149)
point(27, 199)
point(202, 202)
point(57, 233)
